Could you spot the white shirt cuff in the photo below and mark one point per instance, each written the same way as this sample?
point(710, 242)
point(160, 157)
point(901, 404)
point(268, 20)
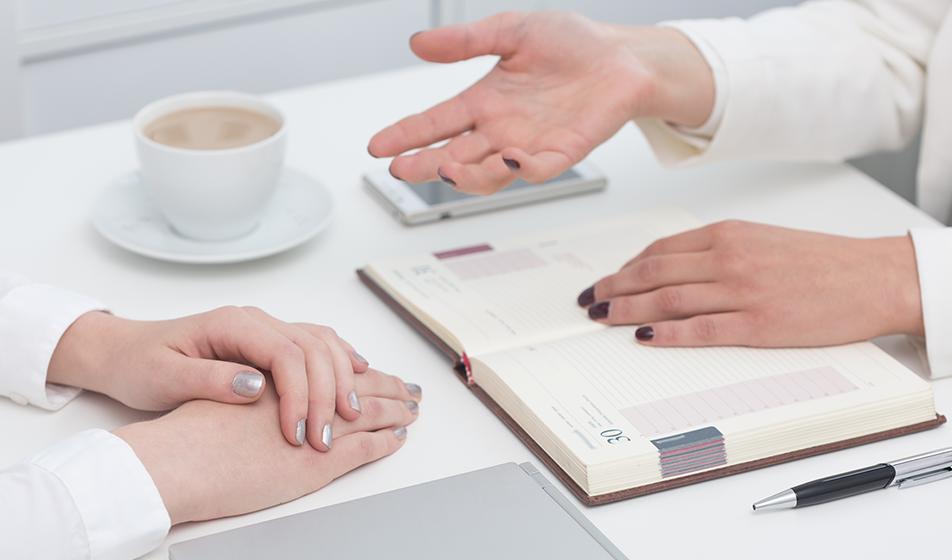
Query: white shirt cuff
point(674, 144)
point(120, 507)
point(33, 318)
point(700, 136)
point(934, 260)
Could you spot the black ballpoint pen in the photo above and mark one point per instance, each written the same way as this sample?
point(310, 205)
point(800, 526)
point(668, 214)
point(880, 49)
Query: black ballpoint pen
point(911, 471)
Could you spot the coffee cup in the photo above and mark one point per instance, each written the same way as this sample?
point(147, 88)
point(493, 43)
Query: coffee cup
point(210, 161)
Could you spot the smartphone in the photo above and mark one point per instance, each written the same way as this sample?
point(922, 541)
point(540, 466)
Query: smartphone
point(420, 203)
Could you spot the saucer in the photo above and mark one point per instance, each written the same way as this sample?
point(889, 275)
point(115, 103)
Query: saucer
point(300, 209)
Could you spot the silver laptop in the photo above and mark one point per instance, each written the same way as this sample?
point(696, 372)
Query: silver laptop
point(507, 511)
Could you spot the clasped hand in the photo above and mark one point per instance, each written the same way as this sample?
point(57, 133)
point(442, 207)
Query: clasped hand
point(296, 382)
point(218, 355)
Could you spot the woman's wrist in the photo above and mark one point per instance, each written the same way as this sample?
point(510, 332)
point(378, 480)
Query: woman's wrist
point(901, 299)
point(164, 463)
point(81, 355)
point(680, 83)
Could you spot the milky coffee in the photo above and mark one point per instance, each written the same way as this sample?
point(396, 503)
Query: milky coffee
point(211, 128)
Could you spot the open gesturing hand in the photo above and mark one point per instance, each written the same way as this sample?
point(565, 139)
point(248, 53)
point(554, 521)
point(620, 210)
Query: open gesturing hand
point(563, 85)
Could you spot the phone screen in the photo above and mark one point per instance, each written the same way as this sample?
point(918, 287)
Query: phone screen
point(438, 192)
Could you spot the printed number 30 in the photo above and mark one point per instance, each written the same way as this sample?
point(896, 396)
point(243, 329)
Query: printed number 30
point(614, 436)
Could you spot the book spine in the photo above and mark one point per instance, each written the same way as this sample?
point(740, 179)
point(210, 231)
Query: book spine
point(468, 368)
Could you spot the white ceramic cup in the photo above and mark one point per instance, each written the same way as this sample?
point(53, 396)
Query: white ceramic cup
point(210, 195)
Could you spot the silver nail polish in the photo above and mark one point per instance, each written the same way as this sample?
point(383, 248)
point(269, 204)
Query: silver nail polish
point(400, 432)
point(327, 436)
point(353, 401)
point(247, 384)
point(300, 432)
point(412, 406)
point(414, 389)
point(360, 358)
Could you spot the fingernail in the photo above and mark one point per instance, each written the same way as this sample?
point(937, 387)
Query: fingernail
point(511, 164)
point(353, 401)
point(400, 432)
point(587, 297)
point(300, 431)
point(327, 436)
point(445, 178)
point(360, 358)
point(414, 390)
point(644, 333)
point(413, 406)
point(394, 175)
point(415, 34)
point(369, 152)
point(599, 310)
point(247, 384)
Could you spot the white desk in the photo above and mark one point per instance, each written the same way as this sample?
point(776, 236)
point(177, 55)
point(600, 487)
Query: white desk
point(47, 186)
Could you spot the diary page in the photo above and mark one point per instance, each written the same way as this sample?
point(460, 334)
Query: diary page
point(497, 295)
point(606, 397)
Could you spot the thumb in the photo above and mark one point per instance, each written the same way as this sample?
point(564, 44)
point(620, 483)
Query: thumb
point(215, 380)
point(496, 35)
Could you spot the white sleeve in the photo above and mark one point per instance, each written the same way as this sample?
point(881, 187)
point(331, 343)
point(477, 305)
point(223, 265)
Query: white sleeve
point(33, 317)
point(934, 261)
point(826, 80)
point(85, 498)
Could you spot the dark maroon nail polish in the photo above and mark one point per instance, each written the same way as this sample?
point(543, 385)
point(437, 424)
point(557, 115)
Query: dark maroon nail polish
point(511, 164)
point(445, 178)
point(587, 297)
point(644, 333)
point(599, 310)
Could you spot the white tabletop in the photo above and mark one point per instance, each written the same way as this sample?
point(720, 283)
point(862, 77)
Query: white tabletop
point(48, 185)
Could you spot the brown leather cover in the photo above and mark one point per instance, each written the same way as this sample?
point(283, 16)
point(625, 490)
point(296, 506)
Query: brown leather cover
point(638, 490)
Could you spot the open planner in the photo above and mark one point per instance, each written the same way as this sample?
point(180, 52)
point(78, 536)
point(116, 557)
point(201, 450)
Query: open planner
point(615, 419)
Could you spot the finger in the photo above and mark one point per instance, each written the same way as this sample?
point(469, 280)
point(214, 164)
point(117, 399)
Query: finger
point(321, 379)
point(421, 166)
point(348, 402)
point(486, 177)
point(670, 302)
point(234, 335)
point(538, 167)
point(719, 329)
point(444, 120)
point(496, 35)
point(216, 380)
point(377, 384)
point(359, 363)
point(693, 241)
point(654, 272)
point(361, 448)
point(321, 384)
point(379, 413)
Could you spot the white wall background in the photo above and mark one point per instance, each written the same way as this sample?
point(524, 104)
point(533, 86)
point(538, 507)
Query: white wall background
point(68, 63)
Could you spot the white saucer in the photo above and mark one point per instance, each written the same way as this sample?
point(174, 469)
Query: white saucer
point(300, 209)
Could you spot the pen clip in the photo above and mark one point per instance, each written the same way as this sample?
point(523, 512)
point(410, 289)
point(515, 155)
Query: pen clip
point(925, 478)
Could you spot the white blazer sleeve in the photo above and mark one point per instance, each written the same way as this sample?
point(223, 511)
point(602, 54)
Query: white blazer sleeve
point(33, 317)
point(934, 261)
point(85, 498)
point(826, 80)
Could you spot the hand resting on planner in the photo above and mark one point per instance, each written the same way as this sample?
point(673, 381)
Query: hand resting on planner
point(211, 460)
point(746, 284)
point(157, 365)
